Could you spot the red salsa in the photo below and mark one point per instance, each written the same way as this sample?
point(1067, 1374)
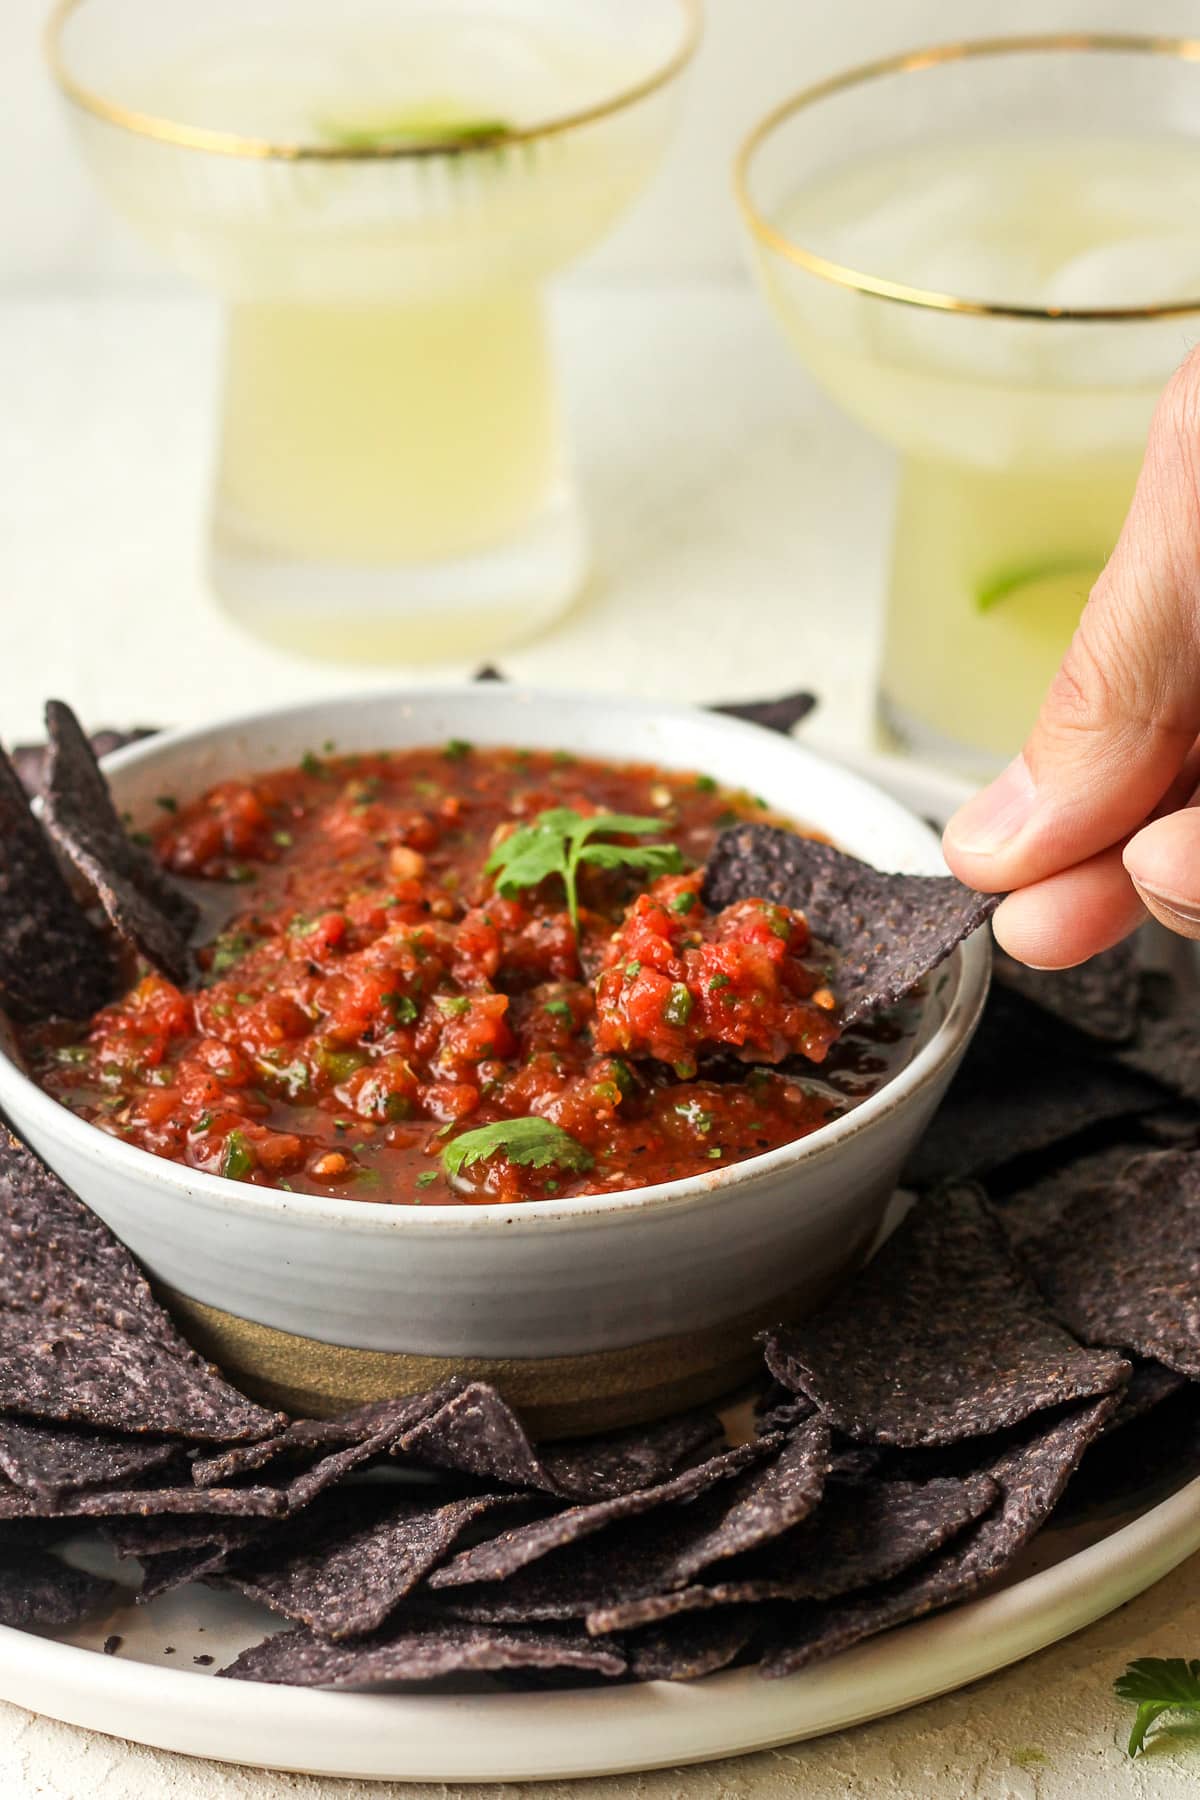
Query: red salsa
point(433, 943)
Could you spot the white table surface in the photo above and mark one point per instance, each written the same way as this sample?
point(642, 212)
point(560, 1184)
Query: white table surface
point(741, 531)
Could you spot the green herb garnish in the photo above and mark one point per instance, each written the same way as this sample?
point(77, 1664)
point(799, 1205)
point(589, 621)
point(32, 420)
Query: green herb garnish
point(530, 1143)
point(457, 750)
point(705, 784)
point(559, 841)
point(1158, 1684)
point(560, 1008)
point(427, 1178)
point(168, 802)
point(684, 902)
point(311, 764)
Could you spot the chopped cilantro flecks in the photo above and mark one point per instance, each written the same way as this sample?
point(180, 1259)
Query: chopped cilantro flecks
point(427, 1178)
point(705, 784)
point(685, 901)
point(678, 1009)
point(403, 1010)
point(457, 750)
point(168, 802)
point(238, 1159)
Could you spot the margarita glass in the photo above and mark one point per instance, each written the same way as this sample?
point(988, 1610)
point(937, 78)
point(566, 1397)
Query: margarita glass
point(380, 190)
point(989, 254)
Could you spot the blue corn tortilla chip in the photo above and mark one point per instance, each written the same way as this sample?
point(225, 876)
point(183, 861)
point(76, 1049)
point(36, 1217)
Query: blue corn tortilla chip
point(1034, 1208)
point(889, 931)
point(475, 1432)
point(503, 1555)
point(343, 1570)
point(1026, 1085)
point(857, 1540)
point(782, 714)
point(422, 1652)
point(40, 1593)
point(688, 1649)
point(147, 911)
point(941, 1337)
point(1099, 998)
point(49, 1460)
point(663, 1549)
point(1031, 1471)
point(1121, 1267)
point(82, 1339)
point(765, 1502)
point(1150, 1385)
point(303, 1437)
point(143, 1502)
point(53, 960)
point(30, 760)
point(167, 1570)
point(1167, 1045)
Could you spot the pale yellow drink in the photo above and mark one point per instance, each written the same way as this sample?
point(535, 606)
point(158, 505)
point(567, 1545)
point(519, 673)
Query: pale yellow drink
point(380, 190)
point(1021, 438)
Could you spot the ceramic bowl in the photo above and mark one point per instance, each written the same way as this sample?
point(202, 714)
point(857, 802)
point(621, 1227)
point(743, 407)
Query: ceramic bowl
point(587, 1312)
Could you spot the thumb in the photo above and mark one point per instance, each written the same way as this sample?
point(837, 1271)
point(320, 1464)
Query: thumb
point(1124, 708)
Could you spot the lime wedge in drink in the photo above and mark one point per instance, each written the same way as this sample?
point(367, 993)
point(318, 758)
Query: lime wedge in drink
point(436, 122)
point(1040, 583)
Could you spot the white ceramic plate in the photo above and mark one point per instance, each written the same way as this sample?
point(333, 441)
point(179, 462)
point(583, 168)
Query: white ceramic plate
point(155, 1691)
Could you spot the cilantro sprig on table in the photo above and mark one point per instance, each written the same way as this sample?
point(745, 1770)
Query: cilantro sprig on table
point(1158, 1684)
point(560, 841)
point(533, 1143)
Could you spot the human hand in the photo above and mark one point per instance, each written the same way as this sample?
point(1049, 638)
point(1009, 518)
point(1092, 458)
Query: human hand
point(1098, 819)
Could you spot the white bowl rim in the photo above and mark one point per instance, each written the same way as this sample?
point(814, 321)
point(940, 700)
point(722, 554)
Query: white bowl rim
point(316, 1210)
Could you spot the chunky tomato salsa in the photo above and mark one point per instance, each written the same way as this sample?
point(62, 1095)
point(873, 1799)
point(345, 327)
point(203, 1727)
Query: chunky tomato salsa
point(461, 975)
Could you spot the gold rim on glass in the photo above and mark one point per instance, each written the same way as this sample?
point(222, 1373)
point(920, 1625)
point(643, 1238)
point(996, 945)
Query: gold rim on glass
point(230, 143)
point(933, 55)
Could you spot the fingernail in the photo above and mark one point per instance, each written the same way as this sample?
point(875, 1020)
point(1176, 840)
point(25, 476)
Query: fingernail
point(1168, 907)
point(992, 819)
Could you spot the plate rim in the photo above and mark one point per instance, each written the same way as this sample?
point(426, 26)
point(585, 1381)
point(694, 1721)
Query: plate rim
point(413, 1736)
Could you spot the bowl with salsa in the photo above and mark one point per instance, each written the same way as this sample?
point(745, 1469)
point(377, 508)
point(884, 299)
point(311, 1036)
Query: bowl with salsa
point(465, 1075)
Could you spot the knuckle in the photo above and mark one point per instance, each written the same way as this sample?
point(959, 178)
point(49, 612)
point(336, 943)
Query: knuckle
point(1085, 694)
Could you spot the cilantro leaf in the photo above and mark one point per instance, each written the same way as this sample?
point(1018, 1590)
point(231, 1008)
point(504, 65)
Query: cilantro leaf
point(1157, 1684)
point(559, 840)
point(532, 1143)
